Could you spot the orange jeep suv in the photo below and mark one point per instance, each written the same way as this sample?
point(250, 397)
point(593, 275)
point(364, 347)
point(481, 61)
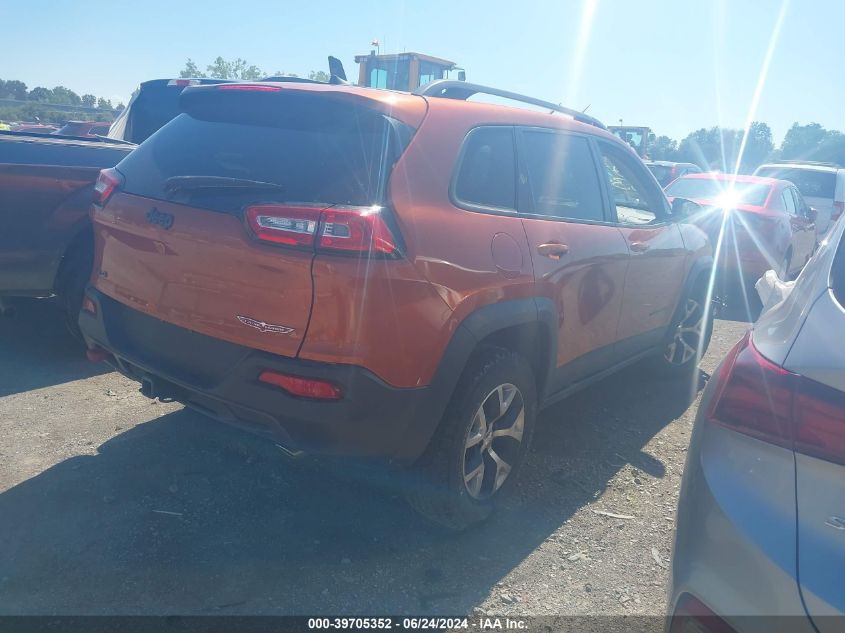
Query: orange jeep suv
point(409, 277)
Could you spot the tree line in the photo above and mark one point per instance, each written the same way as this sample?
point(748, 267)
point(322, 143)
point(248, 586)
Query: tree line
point(239, 69)
point(35, 103)
point(718, 148)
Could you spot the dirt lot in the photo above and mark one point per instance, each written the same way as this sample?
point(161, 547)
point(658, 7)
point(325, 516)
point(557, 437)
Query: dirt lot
point(113, 504)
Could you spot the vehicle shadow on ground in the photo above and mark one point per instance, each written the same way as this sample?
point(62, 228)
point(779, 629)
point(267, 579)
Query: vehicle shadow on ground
point(37, 350)
point(185, 515)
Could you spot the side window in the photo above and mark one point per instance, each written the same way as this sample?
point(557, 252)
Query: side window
point(800, 205)
point(788, 201)
point(562, 177)
point(636, 200)
point(487, 173)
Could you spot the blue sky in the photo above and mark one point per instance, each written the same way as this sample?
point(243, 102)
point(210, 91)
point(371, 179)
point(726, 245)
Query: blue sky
point(674, 65)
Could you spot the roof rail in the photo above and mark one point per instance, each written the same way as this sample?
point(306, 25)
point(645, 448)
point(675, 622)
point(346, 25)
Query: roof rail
point(451, 89)
point(807, 162)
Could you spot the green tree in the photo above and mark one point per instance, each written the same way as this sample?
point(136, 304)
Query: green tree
point(65, 96)
point(40, 94)
point(662, 148)
point(718, 148)
point(12, 89)
point(237, 69)
point(802, 141)
point(759, 147)
point(191, 70)
point(282, 73)
point(319, 75)
point(119, 107)
point(104, 104)
point(89, 100)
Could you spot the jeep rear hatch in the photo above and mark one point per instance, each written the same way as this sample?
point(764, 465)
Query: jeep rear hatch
point(219, 214)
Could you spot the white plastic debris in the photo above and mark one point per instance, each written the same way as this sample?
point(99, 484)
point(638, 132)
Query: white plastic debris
point(772, 290)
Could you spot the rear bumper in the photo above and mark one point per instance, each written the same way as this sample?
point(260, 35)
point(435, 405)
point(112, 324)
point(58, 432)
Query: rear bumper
point(735, 534)
point(220, 379)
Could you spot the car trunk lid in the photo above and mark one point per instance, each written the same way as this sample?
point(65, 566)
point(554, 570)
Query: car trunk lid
point(176, 242)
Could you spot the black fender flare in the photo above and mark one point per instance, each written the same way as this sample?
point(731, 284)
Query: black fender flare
point(474, 328)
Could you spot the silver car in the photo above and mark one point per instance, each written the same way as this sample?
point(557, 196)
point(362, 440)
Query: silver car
point(761, 516)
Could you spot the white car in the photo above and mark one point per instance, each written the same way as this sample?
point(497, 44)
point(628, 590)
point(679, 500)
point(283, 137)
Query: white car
point(821, 184)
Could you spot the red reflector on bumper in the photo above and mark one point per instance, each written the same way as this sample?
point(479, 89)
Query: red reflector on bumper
point(302, 387)
point(88, 305)
point(97, 354)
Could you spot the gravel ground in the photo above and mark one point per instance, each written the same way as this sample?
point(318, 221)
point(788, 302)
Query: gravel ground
point(113, 504)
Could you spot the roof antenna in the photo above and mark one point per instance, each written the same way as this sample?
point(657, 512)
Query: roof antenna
point(584, 111)
point(337, 75)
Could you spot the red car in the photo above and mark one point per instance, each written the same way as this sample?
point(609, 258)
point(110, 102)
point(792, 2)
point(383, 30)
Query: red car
point(767, 224)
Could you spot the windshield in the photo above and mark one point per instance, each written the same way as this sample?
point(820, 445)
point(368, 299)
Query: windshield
point(715, 190)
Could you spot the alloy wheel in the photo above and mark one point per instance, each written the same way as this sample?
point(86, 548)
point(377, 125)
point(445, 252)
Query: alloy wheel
point(688, 334)
point(494, 441)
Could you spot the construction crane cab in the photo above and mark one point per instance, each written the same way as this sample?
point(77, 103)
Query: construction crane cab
point(403, 71)
point(637, 137)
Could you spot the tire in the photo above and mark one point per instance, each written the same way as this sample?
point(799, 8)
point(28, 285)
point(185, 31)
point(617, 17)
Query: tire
point(73, 276)
point(692, 327)
point(462, 474)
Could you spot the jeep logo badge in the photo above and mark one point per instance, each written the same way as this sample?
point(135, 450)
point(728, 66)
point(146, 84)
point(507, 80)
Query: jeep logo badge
point(164, 220)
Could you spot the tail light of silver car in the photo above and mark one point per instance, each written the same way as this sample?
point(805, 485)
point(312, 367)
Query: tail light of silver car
point(340, 229)
point(756, 397)
point(693, 616)
point(109, 181)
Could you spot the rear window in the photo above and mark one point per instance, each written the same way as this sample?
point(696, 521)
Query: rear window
point(714, 190)
point(315, 150)
point(811, 184)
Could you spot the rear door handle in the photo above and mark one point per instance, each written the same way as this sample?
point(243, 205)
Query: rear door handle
point(553, 250)
point(639, 247)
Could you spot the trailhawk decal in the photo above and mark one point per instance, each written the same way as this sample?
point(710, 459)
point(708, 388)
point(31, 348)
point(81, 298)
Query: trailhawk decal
point(263, 326)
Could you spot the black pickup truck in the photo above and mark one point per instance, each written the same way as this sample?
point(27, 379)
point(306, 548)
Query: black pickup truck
point(46, 188)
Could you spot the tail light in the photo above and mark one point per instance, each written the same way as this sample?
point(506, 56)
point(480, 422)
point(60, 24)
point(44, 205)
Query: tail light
point(109, 181)
point(357, 231)
point(303, 387)
point(338, 229)
point(287, 225)
point(182, 83)
point(758, 398)
point(693, 616)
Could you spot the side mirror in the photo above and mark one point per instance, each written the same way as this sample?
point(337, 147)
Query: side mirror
point(684, 208)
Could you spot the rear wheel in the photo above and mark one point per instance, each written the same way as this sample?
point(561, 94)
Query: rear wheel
point(481, 443)
point(73, 276)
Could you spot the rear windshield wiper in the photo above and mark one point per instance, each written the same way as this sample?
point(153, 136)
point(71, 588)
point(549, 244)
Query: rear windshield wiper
point(195, 183)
